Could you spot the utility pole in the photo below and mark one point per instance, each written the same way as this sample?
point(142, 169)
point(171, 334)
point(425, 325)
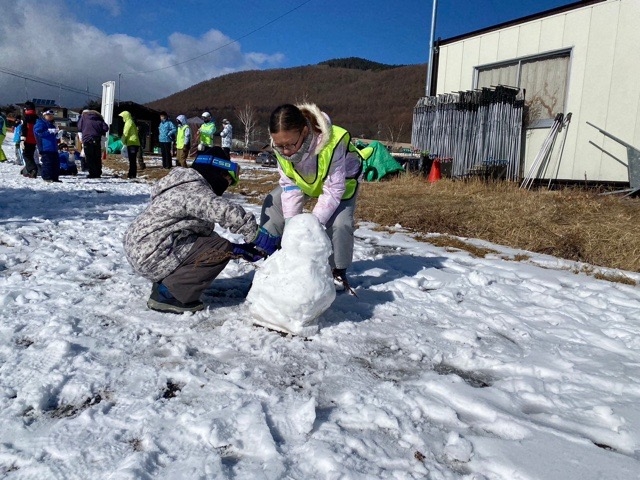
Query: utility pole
point(431, 40)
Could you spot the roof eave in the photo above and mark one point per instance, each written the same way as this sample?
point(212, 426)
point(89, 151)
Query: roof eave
point(518, 21)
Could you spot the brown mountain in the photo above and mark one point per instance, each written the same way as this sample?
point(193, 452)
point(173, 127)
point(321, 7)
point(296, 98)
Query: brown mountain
point(369, 99)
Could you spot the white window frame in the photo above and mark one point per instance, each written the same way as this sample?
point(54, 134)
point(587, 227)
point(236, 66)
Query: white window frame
point(518, 62)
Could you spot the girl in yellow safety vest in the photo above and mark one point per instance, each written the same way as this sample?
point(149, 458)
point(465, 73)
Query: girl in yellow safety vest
point(315, 160)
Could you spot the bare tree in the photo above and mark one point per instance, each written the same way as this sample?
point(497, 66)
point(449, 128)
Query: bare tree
point(395, 133)
point(247, 117)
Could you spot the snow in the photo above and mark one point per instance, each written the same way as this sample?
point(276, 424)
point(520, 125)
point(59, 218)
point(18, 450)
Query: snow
point(445, 366)
point(294, 286)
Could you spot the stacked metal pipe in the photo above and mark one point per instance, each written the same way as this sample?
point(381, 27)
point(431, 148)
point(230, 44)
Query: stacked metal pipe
point(476, 128)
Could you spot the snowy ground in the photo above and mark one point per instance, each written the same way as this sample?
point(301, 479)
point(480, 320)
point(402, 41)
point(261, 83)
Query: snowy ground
point(446, 366)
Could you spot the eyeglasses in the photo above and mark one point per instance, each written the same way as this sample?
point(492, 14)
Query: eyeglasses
point(291, 147)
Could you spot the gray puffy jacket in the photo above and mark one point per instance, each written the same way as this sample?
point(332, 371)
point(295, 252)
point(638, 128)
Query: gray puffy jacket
point(183, 207)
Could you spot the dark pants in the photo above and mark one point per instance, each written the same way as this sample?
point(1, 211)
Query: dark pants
point(141, 165)
point(206, 259)
point(132, 153)
point(93, 157)
point(28, 155)
point(165, 150)
point(50, 165)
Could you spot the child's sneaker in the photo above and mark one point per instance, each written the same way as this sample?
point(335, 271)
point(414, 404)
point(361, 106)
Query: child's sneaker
point(161, 300)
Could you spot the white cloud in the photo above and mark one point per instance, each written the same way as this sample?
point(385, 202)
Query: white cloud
point(46, 41)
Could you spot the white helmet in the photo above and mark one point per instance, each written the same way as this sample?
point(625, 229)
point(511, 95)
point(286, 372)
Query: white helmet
point(206, 115)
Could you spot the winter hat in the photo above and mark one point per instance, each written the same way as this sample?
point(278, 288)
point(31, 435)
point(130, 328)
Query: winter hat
point(212, 164)
point(48, 112)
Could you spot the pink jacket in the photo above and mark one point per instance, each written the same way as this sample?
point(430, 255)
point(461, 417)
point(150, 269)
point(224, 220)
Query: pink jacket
point(344, 164)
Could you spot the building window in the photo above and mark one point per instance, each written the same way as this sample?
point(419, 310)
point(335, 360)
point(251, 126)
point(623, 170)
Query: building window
point(544, 78)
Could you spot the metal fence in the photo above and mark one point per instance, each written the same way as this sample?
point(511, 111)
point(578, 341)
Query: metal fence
point(478, 129)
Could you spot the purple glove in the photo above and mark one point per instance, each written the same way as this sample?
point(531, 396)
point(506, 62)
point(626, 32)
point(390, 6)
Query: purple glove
point(247, 251)
point(266, 242)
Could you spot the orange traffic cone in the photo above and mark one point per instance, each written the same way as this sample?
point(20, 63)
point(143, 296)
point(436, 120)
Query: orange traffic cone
point(434, 173)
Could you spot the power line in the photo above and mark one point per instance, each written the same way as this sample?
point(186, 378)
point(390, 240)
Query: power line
point(222, 46)
point(35, 79)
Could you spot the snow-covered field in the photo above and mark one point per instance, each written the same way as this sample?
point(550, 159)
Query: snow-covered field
point(445, 366)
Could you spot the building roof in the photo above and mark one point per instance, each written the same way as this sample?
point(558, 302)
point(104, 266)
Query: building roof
point(518, 21)
point(136, 109)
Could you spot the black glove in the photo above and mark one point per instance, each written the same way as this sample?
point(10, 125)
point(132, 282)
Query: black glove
point(247, 251)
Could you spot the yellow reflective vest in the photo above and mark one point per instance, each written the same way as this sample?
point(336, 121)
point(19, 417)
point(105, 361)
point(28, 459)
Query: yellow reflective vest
point(180, 136)
point(324, 158)
point(206, 133)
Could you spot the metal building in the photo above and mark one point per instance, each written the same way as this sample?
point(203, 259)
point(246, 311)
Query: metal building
point(581, 59)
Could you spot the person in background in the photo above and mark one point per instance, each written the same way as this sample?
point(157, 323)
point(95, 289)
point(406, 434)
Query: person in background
point(3, 134)
point(92, 128)
point(28, 141)
point(173, 242)
point(315, 160)
point(130, 141)
point(167, 134)
point(205, 132)
point(17, 133)
point(67, 165)
point(46, 134)
point(227, 136)
point(183, 141)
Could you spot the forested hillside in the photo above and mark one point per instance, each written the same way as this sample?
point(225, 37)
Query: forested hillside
point(369, 99)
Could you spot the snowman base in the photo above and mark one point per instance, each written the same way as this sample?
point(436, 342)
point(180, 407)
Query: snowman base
point(294, 286)
point(307, 331)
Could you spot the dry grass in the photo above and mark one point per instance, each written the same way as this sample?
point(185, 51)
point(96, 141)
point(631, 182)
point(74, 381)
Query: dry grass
point(453, 243)
point(573, 223)
point(121, 167)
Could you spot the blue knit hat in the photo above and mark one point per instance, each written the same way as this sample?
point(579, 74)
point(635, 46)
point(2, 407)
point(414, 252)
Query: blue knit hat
point(204, 159)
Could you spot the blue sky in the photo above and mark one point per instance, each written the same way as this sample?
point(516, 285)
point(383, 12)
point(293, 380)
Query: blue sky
point(136, 42)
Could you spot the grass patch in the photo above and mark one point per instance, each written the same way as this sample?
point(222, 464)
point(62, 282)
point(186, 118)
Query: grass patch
point(615, 277)
point(121, 167)
point(453, 243)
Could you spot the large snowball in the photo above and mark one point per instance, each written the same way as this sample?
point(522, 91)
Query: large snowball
point(294, 286)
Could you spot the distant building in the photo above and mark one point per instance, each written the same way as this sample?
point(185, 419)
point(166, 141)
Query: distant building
point(63, 117)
